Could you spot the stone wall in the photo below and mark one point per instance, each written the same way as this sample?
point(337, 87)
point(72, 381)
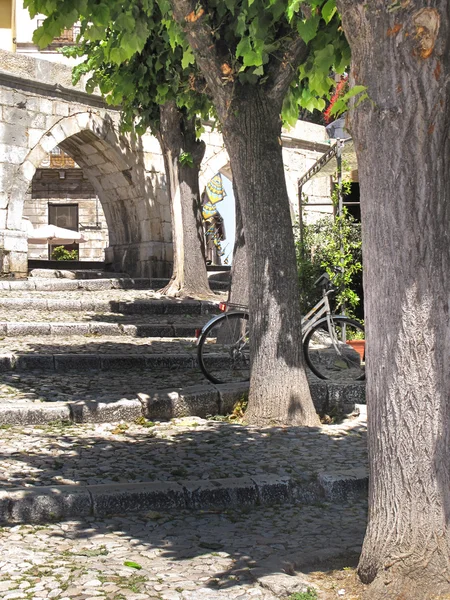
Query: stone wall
point(61, 187)
point(40, 109)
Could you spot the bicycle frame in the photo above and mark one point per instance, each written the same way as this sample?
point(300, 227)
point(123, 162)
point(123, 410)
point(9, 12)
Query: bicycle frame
point(318, 310)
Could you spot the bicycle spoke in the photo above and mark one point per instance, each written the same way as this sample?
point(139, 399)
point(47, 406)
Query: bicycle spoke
point(224, 352)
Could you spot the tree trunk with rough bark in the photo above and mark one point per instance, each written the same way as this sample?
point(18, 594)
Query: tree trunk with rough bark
point(279, 391)
point(177, 137)
point(401, 53)
point(251, 127)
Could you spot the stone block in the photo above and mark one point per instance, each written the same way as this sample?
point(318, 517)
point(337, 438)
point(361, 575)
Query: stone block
point(34, 362)
point(52, 285)
point(15, 241)
point(28, 169)
point(66, 305)
point(154, 330)
point(345, 485)
point(156, 361)
point(105, 328)
point(100, 284)
point(44, 504)
point(68, 329)
point(3, 328)
point(45, 106)
point(198, 401)
point(229, 394)
point(15, 134)
point(342, 397)
point(105, 412)
point(13, 154)
point(33, 413)
point(159, 405)
point(273, 489)
point(48, 142)
point(7, 362)
point(191, 307)
point(221, 493)
point(130, 330)
point(122, 362)
point(79, 362)
point(22, 328)
point(184, 331)
point(61, 109)
point(38, 121)
point(124, 498)
point(140, 307)
point(319, 395)
point(25, 286)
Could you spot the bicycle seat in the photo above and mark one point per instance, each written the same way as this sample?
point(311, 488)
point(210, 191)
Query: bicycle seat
point(323, 281)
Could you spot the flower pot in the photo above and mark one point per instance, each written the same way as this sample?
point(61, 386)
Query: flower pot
point(359, 346)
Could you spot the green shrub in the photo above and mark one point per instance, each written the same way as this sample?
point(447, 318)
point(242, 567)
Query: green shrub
point(60, 253)
point(324, 245)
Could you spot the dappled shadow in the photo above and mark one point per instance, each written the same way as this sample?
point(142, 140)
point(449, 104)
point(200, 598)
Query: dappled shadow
point(272, 539)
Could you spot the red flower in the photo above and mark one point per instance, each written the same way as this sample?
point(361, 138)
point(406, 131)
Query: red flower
point(340, 90)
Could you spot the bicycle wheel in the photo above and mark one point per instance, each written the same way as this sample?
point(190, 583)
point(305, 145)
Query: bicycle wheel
point(223, 349)
point(328, 353)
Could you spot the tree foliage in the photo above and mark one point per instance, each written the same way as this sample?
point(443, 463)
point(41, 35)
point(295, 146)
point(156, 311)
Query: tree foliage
point(150, 61)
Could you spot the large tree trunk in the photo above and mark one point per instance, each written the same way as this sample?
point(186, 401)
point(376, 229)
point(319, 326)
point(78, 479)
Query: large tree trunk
point(177, 137)
point(279, 391)
point(401, 53)
point(250, 119)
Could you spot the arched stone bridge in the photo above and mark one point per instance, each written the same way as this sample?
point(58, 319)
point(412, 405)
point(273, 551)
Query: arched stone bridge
point(40, 109)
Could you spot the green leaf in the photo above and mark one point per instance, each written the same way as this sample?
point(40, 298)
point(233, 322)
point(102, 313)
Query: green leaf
point(132, 564)
point(307, 28)
point(188, 58)
point(328, 10)
point(42, 38)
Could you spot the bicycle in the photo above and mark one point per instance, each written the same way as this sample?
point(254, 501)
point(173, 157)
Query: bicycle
point(223, 351)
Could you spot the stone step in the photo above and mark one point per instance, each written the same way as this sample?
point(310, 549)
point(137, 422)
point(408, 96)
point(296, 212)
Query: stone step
point(94, 304)
point(47, 284)
point(64, 329)
point(87, 396)
point(75, 274)
point(67, 469)
point(43, 387)
point(85, 361)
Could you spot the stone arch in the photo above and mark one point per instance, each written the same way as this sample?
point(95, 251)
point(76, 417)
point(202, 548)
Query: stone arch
point(115, 170)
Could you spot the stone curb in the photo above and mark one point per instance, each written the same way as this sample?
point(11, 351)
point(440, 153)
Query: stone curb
point(56, 503)
point(92, 285)
point(155, 307)
point(160, 405)
point(93, 362)
point(61, 329)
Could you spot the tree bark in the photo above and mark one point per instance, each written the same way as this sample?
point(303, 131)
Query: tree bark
point(177, 136)
point(251, 127)
point(401, 53)
point(279, 391)
point(238, 293)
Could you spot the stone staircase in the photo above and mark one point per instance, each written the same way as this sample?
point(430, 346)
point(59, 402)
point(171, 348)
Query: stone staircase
point(93, 359)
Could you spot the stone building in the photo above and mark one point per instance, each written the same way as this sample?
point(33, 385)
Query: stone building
point(63, 159)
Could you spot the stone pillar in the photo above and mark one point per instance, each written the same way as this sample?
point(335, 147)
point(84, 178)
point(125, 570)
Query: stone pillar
point(13, 253)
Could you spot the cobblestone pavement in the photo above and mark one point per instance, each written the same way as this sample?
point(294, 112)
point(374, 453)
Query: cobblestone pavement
point(182, 449)
point(110, 295)
point(209, 555)
point(102, 386)
point(93, 344)
point(39, 316)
